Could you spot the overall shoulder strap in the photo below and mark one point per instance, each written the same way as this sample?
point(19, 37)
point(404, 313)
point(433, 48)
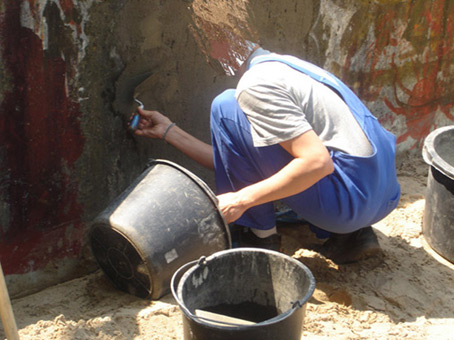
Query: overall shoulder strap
point(323, 76)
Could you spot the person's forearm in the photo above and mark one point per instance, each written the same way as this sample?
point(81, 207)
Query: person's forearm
point(295, 177)
point(311, 163)
point(194, 148)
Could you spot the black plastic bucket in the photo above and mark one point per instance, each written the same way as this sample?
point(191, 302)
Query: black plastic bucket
point(166, 218)
point(438, 223)
point(266, 287)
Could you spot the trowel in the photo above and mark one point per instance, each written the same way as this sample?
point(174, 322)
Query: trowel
point(129, 89)
point(140, 89)
point(135, 118)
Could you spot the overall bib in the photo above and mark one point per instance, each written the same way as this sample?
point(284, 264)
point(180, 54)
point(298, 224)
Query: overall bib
point(361, 190)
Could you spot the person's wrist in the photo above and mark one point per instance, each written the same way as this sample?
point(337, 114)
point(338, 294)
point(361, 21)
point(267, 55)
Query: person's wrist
point(166, 131)
point(244, 198)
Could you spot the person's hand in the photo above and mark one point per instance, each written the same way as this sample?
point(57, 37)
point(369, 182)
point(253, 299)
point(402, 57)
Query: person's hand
point(231, 206)
point(152, 124)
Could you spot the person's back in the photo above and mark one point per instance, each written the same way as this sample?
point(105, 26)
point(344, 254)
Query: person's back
point(282, 103)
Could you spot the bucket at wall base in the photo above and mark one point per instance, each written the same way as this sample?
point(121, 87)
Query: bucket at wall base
point(438, 222)
point(243, 294)
point(164, 219)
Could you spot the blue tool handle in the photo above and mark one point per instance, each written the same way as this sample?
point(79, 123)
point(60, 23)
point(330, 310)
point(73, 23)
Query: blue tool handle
point(135, 119)
point(134, 122)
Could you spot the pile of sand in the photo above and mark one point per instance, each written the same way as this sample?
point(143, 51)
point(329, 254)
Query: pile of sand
point(406, 293)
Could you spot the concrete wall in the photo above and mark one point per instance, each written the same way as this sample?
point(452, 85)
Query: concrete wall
point(69, 67)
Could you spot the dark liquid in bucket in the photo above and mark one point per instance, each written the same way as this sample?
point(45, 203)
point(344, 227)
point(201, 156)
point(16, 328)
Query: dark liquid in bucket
point(249, 311)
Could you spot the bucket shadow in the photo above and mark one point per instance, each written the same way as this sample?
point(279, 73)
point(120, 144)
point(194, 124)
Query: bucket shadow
point(405, 282)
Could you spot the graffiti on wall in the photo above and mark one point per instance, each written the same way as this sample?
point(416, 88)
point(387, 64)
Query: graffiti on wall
point(409, 64)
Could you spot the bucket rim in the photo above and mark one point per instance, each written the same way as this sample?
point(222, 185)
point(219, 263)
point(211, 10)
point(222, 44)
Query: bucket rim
point(431, 156)
point(185, 270)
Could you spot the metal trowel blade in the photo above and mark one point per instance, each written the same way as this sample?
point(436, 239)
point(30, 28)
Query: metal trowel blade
point(126, 90)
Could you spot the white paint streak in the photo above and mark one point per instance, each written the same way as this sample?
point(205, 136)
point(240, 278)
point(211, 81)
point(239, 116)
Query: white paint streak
point(33, 19)
point(26, 19)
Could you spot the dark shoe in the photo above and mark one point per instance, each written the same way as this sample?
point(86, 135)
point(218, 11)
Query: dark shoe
point(249, 239)
point(351, 247)
point(288, 216)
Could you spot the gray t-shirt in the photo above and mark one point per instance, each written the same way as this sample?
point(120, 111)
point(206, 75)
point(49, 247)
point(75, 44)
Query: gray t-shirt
point(282, 103)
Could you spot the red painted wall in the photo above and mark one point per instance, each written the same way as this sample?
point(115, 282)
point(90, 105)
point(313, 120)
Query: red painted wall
point(40, 142)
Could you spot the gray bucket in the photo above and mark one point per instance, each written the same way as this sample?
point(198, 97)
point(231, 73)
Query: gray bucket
point(265, 292)
point(438, 222)
point(163, 220)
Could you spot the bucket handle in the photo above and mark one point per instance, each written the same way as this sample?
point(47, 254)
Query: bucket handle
point(179, 273)
point(174, 281)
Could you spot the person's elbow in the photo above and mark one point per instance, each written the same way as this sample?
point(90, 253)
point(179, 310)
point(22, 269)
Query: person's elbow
point(329, 166)
point(325, 165)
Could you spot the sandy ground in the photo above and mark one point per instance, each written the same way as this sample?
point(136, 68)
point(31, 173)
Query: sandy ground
point(405, 294)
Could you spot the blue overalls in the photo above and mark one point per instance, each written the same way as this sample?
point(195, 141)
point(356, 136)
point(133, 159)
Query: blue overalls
point(361, 190)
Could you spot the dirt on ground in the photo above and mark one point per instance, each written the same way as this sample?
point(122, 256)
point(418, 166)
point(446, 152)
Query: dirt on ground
point(404, 294)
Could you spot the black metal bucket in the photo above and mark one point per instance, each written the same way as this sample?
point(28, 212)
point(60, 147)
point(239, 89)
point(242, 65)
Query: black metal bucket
point(166, 218)
point(260, 294)
point(438, 223)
